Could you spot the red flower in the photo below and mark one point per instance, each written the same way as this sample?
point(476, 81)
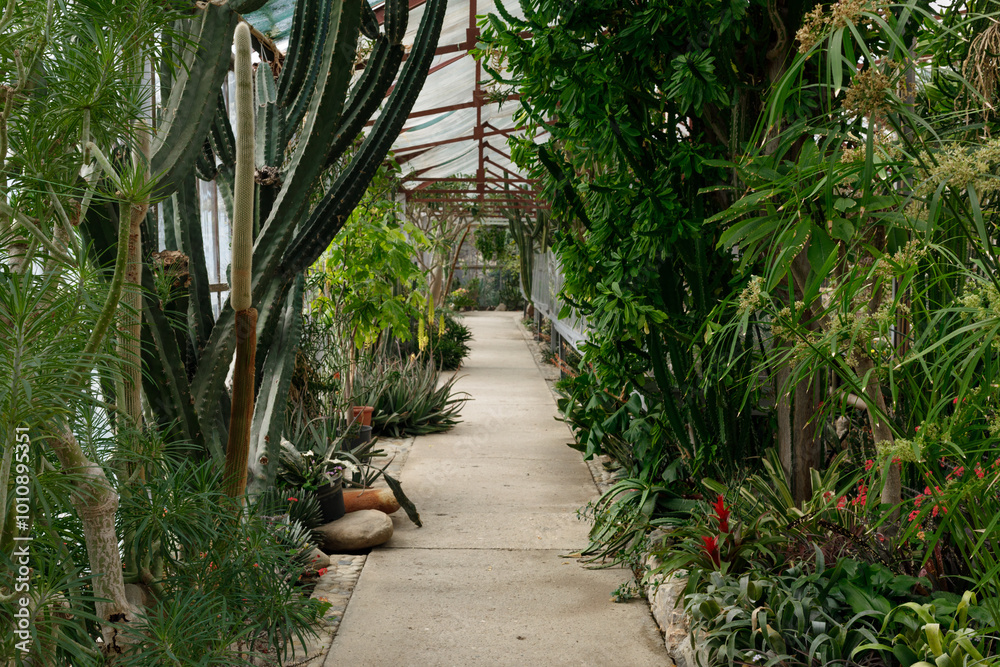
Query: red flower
point(914, 514)
point(321, 571)
point(842, 502)
point(293, 500)
point(722, 514)
point(862, 495)
point(955, 402)
point(979, 471)
point(712, 549)
point(868, 465)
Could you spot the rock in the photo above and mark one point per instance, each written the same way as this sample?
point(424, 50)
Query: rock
point(501, 307)
point(317, 561)
point(355, 531)
point(382, 500)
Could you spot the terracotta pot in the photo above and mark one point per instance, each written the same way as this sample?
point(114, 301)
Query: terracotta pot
point(363, 413)
point(370, 499)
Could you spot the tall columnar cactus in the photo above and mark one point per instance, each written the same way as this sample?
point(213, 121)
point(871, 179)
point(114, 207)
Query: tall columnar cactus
point(235, 477)
point(308, 116)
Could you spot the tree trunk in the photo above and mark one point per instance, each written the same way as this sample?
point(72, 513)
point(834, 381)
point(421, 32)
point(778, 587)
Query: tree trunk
point(804, 440)
point(436, 282)
point(881, 432)
point(96, 502)
point(784, 415)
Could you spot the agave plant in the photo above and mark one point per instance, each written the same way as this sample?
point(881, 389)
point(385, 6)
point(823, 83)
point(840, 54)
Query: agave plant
point(406, 396)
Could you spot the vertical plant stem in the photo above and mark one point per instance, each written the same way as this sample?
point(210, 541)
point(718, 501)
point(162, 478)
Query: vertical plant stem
point(238, 442)
point(96, 502)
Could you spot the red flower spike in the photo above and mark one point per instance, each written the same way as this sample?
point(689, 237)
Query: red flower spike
point(712, 549)
point(722, 514)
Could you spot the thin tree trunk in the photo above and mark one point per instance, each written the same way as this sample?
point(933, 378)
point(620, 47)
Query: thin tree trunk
point(454, 262)
point(803, 439)
point(784, 416)
point(881, 432)
point(96, 502)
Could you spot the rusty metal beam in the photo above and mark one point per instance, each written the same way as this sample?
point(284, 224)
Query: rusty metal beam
point(472, 202)
point(457, 179)
point(380, 11)
point(454, 140)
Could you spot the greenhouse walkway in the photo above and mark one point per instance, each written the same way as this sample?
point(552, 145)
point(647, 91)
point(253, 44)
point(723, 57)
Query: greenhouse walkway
point(484, 582)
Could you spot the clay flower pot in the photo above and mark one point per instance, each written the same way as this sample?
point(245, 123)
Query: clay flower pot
point(363, 413)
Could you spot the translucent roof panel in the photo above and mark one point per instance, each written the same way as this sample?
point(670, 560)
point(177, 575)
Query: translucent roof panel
point(456, 135)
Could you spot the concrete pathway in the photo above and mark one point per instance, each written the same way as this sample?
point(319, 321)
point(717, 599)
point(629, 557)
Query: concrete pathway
point(483, 582)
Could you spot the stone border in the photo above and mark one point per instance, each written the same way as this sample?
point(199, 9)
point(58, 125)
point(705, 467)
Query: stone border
point(662, 594)
point(335, 587)
point(344, 570)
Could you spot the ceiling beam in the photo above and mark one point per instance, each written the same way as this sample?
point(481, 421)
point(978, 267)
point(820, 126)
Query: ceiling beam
point(498, 201)
point(453, 140)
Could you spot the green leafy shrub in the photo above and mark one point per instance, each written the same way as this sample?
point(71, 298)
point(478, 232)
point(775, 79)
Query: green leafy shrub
point(448, 347)
point(237, 586)
point(802, 616)
point(922, 641)
point(462, 299)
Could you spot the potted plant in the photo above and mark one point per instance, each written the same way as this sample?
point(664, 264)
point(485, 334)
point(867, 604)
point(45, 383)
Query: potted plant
point(322, 477)
point(330, 495)
point(362, 414)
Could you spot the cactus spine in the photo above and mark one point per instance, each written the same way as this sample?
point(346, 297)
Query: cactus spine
point(238, 443)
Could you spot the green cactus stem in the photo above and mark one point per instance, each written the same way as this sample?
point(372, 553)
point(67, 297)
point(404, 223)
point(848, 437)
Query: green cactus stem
point(238, 443)
point(243, 194)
